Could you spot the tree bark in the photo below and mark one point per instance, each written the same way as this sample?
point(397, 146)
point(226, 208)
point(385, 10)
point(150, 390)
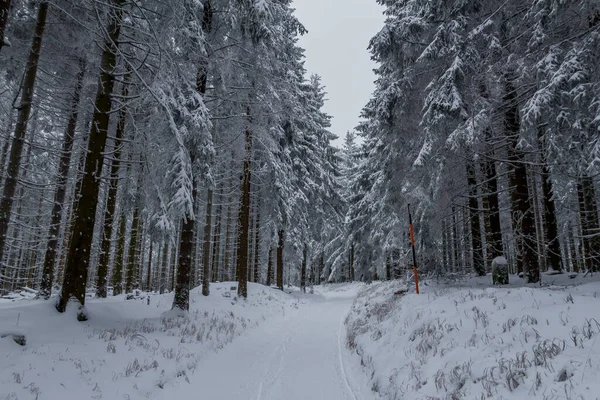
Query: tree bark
point(206, 245)
point(351, 264)
point(149, 280)
point(522, 212)
point(256, 277)
point(76, 268)
point(244, 216)
point(117, 274)
point(303, 269)
point(111, 201)
point(227, 255)
point(184, 266)
point(4, 9)
point(590, 223)
point(280, 244)
point(270, 267)
point(216, 251)
point(495, 246)
point(552, 243)
point(14, 161)
point(478, 261)
point(132, 265)
point(59, 195)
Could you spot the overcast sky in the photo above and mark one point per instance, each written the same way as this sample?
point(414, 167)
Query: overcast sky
point(336, 48)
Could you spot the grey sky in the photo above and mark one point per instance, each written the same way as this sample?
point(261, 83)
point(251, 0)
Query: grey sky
point(336, 48)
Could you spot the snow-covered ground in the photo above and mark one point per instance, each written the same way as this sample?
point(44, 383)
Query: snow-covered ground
point(128, 349)
point(452, 342)
point(273, 346)
point(343, 342)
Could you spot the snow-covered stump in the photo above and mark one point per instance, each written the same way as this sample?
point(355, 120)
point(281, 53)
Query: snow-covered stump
point(499, 271)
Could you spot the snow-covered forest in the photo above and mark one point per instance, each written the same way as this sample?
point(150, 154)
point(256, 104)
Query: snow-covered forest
point(174, 154)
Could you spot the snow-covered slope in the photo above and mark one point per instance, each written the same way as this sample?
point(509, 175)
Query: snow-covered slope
point(492, 343)
point(128, 349)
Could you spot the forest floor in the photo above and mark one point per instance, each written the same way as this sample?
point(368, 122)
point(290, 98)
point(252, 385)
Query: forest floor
point(467, 340)
point(272, 346)
point(456, 340)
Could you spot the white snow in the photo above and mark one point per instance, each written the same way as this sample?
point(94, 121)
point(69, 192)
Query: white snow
point(479, 343)
point(450, 342)
point(131, 350)
point(128, 349)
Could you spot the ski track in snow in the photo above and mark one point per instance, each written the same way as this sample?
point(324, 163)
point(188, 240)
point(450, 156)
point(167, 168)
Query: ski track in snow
point(295, 357)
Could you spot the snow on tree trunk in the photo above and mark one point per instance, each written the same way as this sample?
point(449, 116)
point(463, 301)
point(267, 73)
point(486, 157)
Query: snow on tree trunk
point(206, 244)
point(478, 261)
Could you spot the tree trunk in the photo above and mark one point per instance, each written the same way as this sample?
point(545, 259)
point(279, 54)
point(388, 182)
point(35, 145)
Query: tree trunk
point(131, 258)
point(76, 268)
point(455, 247)
point(478, 261)
point(117, 274)
point(4, 9)
point(351, 264)
point(388, 266)
point(184, 266)
point(206, 245)
point(59, 195)
point(280, 244)
point(522, 212)
point(227, 255)
point(303, 269)
point(14, 161)
point(256, 276)
point(149, 280)
point(495, 246)
point(590, 223)
point(270, 267)
point(216, 252)
point(244, 216)
point(111, 201)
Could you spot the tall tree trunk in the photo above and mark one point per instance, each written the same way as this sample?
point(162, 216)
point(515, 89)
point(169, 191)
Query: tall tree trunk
point(445, 252)
point(206, 244)
point(132, 265)
point(4, 9)
point(494, 233)
point(244, 216)
point(149, 281)
point(76, 269)
point(184, 266)
point(117, 274)
point(552, 244)
point(59, 195)
point(303, 269)
point(590, 223)
point(455, 247)
point(270, 267)
point(522, 211)
point(351, 264)
point(478, 261)
point(388, 266)
point(280, 244)
point(216, 252)
point(256, 277)
point(164, 267)
point(181, 299)
point(16, 150)
point(111, 201)
point(227, 256)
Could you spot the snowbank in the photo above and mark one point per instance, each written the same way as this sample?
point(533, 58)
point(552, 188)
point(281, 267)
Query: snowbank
point(493, 343)
point(128, 349)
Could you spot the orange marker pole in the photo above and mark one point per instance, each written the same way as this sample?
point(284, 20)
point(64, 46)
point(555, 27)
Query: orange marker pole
point(412, 242)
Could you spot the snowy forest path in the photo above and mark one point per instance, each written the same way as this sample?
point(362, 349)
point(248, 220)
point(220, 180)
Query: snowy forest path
point(296, 356)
